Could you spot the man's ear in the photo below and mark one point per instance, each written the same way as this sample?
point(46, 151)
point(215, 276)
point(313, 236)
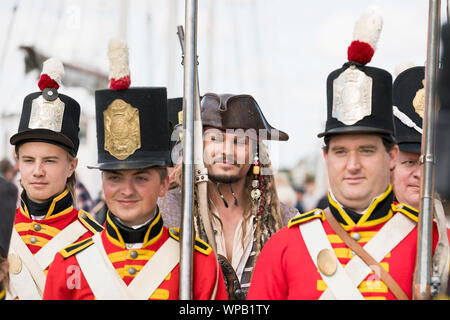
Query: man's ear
point(393, 157)
point(73, 166)
point(325, 154)
point(164, 186)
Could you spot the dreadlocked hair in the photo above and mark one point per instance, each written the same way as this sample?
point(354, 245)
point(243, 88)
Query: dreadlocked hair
point(4, 274)
point(269, 216)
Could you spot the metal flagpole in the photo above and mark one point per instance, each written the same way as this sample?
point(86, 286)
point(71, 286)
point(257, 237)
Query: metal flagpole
point(201, 172)
point(423, 271)
point(189, 89)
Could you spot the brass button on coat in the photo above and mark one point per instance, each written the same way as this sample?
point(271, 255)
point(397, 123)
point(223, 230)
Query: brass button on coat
point(37, 227)
point(15, 263)
point(133, 254)
point(356, 236)
point(326, 262)
point(33, 240)
point(132, 271)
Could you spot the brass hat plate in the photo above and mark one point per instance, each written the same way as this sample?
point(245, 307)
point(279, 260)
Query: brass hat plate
point(122, 130)
point(352, 96)
point(326, 262)
point(15, 263)
point(46, 114)
point(419, 101)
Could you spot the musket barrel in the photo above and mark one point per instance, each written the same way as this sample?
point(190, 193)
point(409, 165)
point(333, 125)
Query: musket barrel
point(422, 277)
point(189, 90)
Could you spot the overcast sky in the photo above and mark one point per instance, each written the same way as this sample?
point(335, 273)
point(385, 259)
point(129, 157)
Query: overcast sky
point(278, 51)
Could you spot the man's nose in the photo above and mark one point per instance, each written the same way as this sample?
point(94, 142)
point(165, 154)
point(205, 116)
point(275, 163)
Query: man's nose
point(417, 171)
point(353, 162)
point(127, 187)
point(38, 170)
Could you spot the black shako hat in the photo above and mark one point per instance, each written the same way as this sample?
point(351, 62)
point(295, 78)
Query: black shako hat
point(49, 116)
point(359, 98)
point(409, 104)
point(8, 194)
point(175, 114)
point(132, 123)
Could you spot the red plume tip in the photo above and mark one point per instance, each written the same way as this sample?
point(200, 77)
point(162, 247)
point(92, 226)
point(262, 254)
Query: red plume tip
point(120, 84)
point(46, 82)
point(360, 52)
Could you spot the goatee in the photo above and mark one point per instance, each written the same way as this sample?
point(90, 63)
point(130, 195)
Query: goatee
point(223, 179)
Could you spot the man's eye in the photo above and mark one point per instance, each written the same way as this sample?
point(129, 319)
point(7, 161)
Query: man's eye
point(216, 139)
point(367, 151)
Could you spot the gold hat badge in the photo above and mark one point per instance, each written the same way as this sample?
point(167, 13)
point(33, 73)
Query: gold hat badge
point(122, 130)
point(419, 101)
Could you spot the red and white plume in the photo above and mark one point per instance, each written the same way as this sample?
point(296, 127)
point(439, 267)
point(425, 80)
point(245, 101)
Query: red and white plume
point(365, 37)
point(119, 73)
point(51, 75)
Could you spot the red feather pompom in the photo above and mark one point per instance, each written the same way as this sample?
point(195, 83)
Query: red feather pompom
point(120, 84)
point(360, 52)
point(46, 82)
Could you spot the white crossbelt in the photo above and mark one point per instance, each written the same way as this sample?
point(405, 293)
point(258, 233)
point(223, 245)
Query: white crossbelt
point(105, 282)
point(29, 283)
point(316, 239)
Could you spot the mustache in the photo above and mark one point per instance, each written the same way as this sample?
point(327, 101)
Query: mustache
point(226, 159)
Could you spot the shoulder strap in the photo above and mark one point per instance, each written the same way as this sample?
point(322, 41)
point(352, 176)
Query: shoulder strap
point(89, 222)
point(366, 257)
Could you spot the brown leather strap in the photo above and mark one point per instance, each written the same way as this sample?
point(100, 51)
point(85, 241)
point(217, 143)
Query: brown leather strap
point(365, 256)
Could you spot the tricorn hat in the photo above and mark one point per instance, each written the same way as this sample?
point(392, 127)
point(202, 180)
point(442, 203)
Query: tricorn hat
point(228, 111)
point(409, 100)
point(50, 116)
point(359, 98)
point(132, 123)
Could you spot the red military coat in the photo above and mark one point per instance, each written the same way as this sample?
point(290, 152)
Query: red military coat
point(65, 267)
point(285, 269)
point(61, 213)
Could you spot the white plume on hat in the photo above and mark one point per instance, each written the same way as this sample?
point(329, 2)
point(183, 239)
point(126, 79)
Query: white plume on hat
point(403, 66)
point(118, 59)
point(368, 27)
point(54, 68)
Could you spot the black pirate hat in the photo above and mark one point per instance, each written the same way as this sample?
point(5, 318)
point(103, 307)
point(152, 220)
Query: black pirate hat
point(8, 194)
point(359, 98)
point(132, 130)
point(408, 100)
point(49, 116)
point(228, 111)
